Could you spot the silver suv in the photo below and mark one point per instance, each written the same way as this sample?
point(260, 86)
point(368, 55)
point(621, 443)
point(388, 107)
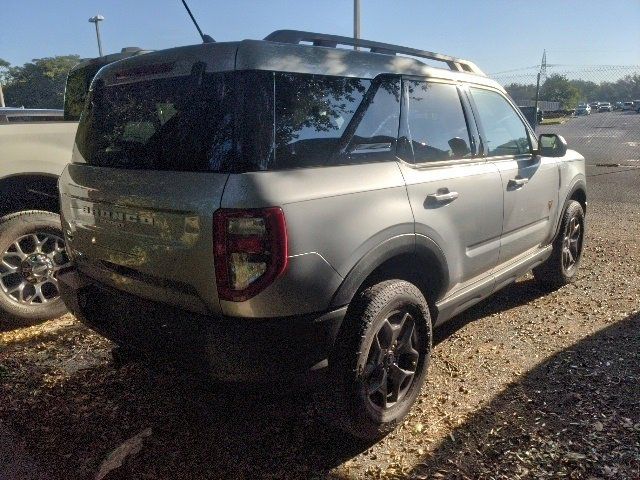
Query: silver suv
point(270, 209)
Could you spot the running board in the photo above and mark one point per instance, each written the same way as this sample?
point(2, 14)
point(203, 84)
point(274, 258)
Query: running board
point(465, 298)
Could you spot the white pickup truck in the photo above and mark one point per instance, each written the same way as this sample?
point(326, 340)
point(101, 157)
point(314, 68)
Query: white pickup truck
point(35, 146)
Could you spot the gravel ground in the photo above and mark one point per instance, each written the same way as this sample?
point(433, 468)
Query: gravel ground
point(524, 385)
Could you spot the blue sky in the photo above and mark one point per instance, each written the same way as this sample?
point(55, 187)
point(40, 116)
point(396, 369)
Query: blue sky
point(496, 34)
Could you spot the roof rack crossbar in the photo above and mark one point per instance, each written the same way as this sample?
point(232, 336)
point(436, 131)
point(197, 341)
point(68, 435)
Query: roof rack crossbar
point(327, 40)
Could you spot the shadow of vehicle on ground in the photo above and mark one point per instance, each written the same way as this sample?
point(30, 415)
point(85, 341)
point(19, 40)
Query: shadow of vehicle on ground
point(576, 415)
point(548, 419)
point(8, 324)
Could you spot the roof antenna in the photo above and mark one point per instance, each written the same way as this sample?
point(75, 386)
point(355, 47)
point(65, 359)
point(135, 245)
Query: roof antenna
point(205, 38)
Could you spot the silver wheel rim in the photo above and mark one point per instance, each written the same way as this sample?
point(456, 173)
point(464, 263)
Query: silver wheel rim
point(392, 361)
point(28, 268)
point(572, 244)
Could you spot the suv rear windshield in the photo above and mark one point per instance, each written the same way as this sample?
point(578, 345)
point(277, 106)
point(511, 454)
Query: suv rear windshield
point(240, 121)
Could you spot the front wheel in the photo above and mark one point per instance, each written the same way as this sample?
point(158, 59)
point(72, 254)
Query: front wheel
point(562, 266)
point(380, 360)
point(31, 253)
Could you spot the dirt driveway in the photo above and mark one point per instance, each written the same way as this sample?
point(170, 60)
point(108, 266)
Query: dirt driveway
point(524, 385)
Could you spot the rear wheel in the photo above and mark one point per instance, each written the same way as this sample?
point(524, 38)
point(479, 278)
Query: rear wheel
point(562, 266)
point(31, 253)
point(380, 360)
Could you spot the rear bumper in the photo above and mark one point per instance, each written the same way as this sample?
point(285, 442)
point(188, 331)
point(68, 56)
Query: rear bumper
point(257, 351)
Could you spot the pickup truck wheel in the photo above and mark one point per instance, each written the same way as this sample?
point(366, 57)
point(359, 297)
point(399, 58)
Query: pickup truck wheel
point(31, 253)
point(380, 360)
point(562, 266)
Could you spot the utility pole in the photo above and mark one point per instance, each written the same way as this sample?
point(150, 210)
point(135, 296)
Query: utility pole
point(542, 72)
point(97, 19)
point(356, 22)
point(1, 97)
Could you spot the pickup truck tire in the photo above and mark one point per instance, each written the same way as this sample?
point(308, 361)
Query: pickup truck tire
point(380, 359)
point(31, 252)
point(561, 267)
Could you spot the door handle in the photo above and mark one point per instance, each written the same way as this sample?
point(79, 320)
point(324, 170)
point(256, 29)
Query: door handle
point(443, 195)
point(517, 182)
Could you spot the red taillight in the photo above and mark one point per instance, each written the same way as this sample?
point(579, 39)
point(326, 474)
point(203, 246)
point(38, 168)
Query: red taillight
point(250, 250)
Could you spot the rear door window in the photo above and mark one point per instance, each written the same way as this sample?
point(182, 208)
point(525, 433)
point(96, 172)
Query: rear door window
point(504, 131)
point(435, 126)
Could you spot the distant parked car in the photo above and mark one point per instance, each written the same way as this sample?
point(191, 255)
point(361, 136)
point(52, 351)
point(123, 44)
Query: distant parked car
point(529, 114)
point(605, 107)
point(594, 106)
point(636, 105)
point(583, 109)
point(618, 106)
point(627, 106)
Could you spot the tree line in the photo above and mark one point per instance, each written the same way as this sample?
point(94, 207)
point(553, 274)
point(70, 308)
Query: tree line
point(38, 83)
point(558, 88)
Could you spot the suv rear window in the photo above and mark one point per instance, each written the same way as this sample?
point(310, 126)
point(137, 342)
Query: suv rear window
point(240, 121)
point(179, 123)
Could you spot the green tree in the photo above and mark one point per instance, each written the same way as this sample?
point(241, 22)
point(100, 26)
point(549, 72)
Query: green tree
point(588, 90)
point(39, 83)
point(628, 88)
point(4, 68)
point(557, 88)
point(521, 91)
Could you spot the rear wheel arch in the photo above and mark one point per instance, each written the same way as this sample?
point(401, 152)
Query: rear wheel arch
point(414, 258)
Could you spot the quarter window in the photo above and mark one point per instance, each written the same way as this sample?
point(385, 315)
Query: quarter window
point(505, 133)
point(435, 128)
point(322, 120)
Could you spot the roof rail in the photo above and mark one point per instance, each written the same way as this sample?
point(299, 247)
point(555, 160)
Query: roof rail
point(326, 40)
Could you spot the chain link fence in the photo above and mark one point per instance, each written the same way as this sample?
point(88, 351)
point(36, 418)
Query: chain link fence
point(607, 132)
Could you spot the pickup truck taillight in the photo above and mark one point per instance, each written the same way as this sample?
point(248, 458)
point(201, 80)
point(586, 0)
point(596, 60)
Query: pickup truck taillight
point(250, 250)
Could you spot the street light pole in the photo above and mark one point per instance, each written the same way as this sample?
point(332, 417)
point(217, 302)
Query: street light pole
point(356, 22)
point(97, 19)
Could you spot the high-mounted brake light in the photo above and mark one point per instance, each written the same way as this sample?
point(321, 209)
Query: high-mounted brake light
point(250, 250)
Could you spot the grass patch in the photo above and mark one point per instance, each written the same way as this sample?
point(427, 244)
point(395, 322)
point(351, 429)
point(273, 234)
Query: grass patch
point(554, 121)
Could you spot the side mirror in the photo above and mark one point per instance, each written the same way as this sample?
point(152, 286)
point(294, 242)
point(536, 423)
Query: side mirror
point(552, 145)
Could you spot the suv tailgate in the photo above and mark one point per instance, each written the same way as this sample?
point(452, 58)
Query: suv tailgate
point(145, 232)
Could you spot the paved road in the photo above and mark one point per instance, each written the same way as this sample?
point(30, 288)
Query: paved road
point(608, 137)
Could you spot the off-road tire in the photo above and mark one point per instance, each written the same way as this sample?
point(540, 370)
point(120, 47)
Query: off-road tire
point(345, 401)
point(13, 227)
point(553, 274)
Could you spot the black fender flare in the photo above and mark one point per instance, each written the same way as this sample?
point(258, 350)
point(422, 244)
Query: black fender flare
point(578, 184)
point(422, 247)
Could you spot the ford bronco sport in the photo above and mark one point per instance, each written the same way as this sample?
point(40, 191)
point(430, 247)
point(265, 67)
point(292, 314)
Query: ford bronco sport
point(274, 208)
